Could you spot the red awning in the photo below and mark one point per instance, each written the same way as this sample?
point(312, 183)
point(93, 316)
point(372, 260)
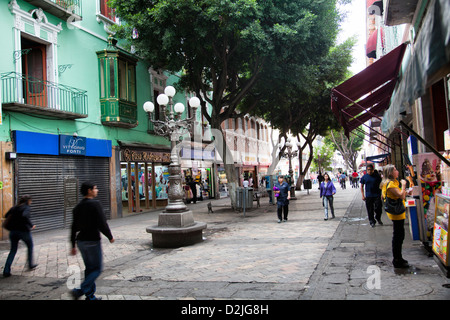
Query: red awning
point(368, 93)
point(371, 46)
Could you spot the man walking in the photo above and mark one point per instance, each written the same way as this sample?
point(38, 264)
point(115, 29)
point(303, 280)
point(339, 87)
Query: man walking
point(372, 196)
point(88, 221)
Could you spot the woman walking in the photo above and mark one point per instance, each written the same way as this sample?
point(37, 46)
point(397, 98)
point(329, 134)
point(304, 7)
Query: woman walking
point(19, 227)
point(327, 190)
point(281, 190)
point(390, 187)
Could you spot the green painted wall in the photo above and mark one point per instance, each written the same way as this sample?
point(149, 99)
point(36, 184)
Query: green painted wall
point(76, 46)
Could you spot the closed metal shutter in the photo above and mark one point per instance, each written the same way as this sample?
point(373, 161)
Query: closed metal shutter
point(53, 182)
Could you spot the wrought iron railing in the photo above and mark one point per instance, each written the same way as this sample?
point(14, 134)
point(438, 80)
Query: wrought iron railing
point(21, 89)
point(73, 6)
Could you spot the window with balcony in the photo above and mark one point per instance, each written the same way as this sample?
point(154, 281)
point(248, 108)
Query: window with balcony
point(117, 87)
point(63, 9)
point(30, 90)
point(106, 11)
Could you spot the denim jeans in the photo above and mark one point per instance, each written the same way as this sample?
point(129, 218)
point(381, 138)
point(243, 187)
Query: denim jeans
point(328, 201)
point(91, 251)
point(14, 237)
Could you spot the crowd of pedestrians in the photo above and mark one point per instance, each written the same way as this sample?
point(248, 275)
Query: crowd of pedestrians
point(89, 220)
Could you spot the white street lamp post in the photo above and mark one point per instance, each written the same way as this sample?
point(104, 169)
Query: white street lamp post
point(176, 226)
point(290, 154)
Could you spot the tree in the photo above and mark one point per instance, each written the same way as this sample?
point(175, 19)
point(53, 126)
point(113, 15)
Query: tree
point(322, 158)
point(224, 46)
point(348, 147)
point(298, 99)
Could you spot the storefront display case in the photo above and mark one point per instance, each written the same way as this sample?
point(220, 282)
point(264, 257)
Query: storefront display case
point(440, 231)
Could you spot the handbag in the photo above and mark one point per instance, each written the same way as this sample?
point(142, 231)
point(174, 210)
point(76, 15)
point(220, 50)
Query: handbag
point(393, 206)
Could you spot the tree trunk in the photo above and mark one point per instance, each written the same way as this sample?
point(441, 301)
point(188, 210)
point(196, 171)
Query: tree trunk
point(230, 168)
point(303, 170)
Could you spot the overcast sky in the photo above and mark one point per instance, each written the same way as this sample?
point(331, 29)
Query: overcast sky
point(355, 24)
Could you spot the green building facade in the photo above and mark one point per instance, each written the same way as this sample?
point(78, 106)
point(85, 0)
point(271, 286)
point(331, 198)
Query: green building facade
point(72, 110)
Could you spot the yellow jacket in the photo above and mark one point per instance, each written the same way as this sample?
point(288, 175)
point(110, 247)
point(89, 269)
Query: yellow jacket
point(390, 194)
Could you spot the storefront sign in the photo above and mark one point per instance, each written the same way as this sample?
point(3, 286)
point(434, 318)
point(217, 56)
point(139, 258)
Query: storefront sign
point(72, 145)
point(55, 145)
point(129, 155)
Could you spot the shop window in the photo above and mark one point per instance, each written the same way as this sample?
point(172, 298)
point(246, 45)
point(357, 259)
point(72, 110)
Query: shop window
point(134, 180)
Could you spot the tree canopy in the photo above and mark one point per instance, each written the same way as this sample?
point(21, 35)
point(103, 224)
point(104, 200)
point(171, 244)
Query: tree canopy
point(224, 46)
point(228, 50)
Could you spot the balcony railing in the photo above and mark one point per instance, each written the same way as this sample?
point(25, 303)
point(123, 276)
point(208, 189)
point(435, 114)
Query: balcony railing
point(28, 94)
point(62, 9)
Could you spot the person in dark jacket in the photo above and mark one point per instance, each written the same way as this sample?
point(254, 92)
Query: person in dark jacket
point(281, 189)
point(19, 227)
point(193, 185)
point(372, 196)
point(88, 221)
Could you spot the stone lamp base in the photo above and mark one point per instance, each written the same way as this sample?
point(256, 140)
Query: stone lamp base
point(176, 230)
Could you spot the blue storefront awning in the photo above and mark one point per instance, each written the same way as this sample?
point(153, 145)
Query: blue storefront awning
point(378, 158)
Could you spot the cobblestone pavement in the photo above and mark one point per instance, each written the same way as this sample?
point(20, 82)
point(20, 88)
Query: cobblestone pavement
point(250, 258)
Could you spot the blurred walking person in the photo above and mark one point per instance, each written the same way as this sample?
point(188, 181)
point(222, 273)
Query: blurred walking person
point(88, 221)
point(19, 226)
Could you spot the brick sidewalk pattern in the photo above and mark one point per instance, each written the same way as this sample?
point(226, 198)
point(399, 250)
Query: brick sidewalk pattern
point(251, 258)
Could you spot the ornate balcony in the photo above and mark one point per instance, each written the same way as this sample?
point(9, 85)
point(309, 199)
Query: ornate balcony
point(63, 9)
point(30, 95)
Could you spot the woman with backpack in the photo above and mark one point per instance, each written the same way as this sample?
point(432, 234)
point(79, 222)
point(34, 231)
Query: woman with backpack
point(19, 225)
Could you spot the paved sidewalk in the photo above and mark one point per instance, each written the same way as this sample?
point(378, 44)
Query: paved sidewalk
point(251, 257)
point(357, 264)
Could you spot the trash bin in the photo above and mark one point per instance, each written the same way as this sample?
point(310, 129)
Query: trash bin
point(244, 194)
point(307, 184)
